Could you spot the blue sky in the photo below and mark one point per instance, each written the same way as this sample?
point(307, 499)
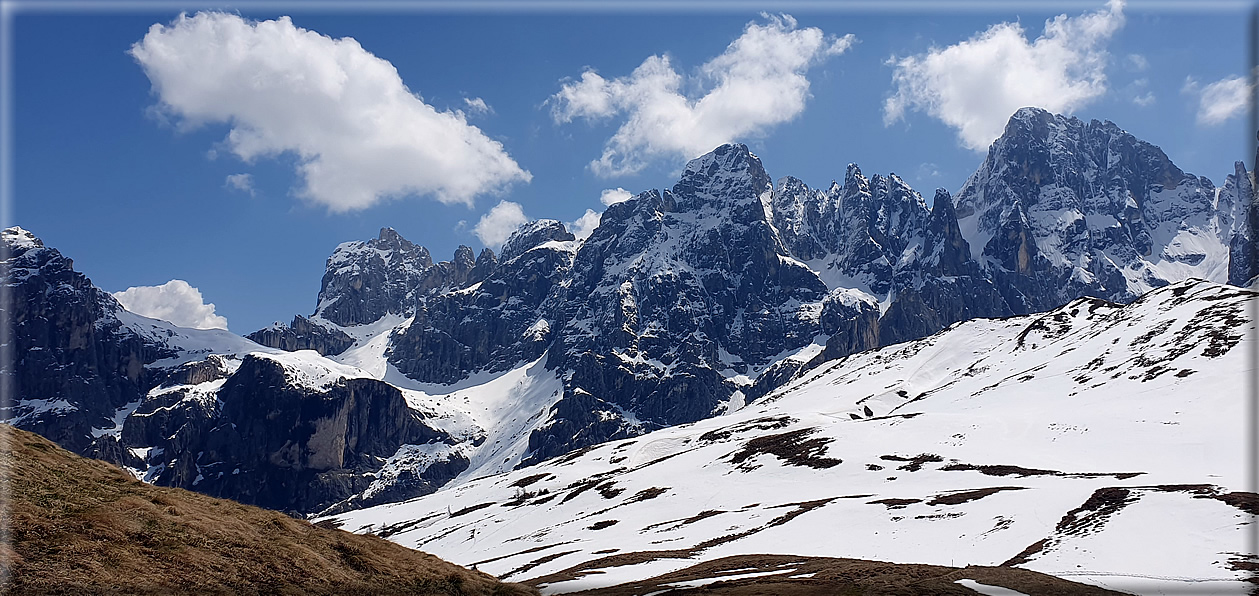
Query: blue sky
point(212, 151)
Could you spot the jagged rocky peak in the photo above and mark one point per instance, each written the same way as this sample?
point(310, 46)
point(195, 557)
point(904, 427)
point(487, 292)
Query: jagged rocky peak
point(671, 289)
point(364, 281)
point(854, 180)
point(728, 175)
point(16, 237)
point(797, 212)
point(367, 280)
point(944, 248)
point(1041, 150)
point(1062, 208)
point(390, 240)
point(533, 234)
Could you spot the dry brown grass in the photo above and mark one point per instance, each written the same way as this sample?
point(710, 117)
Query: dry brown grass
point(81, 526)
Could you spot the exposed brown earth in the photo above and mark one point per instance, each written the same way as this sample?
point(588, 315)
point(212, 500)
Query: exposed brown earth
point(820, 575)
point(80, 526)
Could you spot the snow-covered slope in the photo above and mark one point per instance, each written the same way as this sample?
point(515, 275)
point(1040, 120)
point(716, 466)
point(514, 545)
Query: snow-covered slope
point(1098, 442)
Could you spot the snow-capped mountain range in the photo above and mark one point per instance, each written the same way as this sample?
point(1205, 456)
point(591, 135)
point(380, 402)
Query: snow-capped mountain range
point(1099, 442)
point(683, 305)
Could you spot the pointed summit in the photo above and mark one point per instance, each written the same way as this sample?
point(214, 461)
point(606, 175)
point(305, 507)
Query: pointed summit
point(728, 174)
point(533, 234)
point(1062, 208)
point(16, 237)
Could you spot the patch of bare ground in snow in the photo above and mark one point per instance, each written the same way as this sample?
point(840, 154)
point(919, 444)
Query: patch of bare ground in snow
point(793, 448)
point(1090, 516)
point(787, 575)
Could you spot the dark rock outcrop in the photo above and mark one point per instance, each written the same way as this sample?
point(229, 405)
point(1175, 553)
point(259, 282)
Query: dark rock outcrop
point(262, 439)
point(303, 334)
point(496, 322)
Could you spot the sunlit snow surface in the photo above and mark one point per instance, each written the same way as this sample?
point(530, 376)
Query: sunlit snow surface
point(1096, 442)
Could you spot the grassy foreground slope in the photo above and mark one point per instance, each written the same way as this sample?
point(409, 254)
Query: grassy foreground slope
point(80, 526)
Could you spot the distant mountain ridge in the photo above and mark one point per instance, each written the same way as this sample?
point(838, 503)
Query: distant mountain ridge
point(683, 304)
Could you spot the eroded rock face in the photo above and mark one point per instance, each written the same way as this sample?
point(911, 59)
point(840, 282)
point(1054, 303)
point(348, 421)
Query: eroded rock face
point(260, 439)
point(72, 364)
point(1062, 208)
point(670, 290)
point(496, 322)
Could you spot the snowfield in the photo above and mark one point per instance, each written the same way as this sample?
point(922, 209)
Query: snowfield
point(1100, 443)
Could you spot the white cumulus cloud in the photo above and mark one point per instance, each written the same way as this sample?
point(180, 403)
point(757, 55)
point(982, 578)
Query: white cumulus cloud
point(498, 224)
point(360, 135)
point(612, 196)
point(757, 83)
point(585, 225)
point(173, 301)
point(1222, 100)
point(975, 85)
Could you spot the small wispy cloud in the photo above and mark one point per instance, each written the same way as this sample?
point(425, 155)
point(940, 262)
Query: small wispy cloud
point(240, 182)
point(612, 196)
point(1221, 100)
point(477, 106)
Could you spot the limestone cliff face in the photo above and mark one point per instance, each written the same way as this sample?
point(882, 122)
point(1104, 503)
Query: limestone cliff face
point(264, 440)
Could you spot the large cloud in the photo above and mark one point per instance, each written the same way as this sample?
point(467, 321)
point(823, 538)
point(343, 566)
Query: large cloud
point(173, 301)
point(360, 135)
point(975, 85)
point(758, 82)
